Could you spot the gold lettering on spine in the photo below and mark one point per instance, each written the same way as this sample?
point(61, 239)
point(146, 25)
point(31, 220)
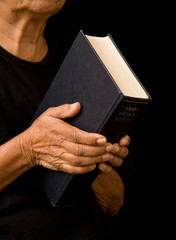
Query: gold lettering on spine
point(127, 114)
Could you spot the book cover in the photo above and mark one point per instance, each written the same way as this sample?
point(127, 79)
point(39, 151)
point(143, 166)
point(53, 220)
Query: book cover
point(84, 77)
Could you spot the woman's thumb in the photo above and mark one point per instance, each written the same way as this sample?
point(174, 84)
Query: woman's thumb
point(64, 111)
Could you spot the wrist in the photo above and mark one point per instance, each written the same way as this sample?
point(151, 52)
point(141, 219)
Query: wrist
point(26, 149)
point(15, 160)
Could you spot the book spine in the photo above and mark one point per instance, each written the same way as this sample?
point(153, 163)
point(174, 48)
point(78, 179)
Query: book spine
point(122, 119)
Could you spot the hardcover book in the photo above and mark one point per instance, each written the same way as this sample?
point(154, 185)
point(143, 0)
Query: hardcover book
point(94, 73)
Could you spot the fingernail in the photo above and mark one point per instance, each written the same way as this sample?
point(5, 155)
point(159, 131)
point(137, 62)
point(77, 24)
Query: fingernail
point(109, 148)
point(107, 157)
point(92, 166)
point(103, 165)
point(101, 141)
point(117, 148)
point(73, 105)
point(125, 141)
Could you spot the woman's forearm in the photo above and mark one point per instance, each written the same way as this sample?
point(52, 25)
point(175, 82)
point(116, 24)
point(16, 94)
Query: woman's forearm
point(12, 161)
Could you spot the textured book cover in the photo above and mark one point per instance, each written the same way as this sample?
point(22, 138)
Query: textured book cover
point(84, 78)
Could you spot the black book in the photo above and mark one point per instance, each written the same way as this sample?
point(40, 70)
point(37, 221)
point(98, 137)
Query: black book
point(94, 73)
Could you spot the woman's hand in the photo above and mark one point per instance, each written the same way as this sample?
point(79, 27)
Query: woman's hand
point(119, 151)
point(55, 144)
point(108, 187)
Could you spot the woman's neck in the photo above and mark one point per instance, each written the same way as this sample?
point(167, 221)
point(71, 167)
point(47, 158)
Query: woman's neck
point(21, 34)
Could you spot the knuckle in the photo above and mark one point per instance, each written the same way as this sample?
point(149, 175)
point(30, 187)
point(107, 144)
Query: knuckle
point(75, 136)
point(79, 151)
point(76, 161)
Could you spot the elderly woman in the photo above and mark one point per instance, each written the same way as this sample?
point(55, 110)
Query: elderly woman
point(27, 66)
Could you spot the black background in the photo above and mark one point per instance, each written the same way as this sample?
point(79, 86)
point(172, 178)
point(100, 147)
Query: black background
point(138, 29)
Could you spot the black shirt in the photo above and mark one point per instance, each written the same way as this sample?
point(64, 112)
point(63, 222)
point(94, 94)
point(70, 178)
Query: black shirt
point(23, 85)
point(25, 212)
